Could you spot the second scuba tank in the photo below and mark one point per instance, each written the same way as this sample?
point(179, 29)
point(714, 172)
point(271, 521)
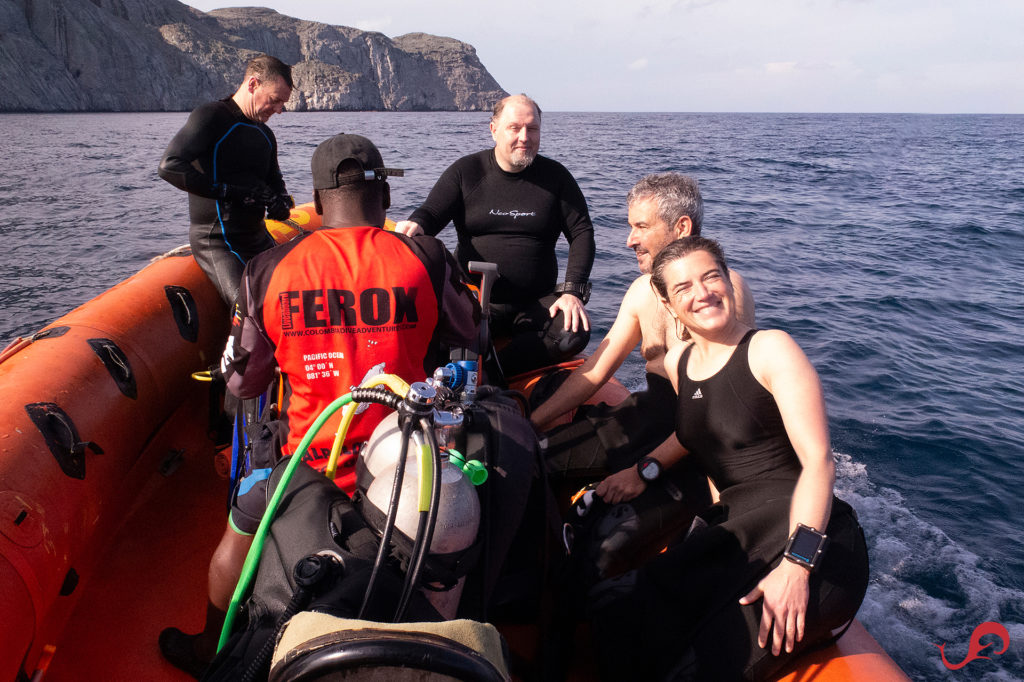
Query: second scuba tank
point(458, 515)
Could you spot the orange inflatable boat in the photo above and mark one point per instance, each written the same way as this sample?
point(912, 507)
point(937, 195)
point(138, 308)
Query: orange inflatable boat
point(90, 404)
point(110, 505)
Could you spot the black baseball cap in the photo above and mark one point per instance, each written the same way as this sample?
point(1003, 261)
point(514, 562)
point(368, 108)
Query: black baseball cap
point(332, 152)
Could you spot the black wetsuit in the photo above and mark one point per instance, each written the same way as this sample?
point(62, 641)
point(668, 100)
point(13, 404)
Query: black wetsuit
point(686, 600)
point(514, 220)
point(219, 145)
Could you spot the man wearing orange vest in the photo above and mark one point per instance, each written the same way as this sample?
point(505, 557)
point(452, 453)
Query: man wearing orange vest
point(331, 309)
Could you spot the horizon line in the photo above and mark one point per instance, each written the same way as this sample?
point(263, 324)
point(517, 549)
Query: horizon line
point(546, 111)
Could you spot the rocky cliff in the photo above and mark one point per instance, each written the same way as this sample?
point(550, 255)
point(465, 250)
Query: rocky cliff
point(161, 55)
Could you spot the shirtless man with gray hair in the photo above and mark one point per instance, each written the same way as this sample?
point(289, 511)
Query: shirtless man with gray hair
point(633, 441)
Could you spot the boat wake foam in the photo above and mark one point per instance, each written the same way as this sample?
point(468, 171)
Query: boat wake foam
point(926, 589)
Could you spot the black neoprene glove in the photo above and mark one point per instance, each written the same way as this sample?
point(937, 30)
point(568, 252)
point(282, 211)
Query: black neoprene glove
point(280, 207)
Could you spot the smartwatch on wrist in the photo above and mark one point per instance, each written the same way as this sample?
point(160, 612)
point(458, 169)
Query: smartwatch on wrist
point(805, 546)
point(580, 290)
point(649, 469)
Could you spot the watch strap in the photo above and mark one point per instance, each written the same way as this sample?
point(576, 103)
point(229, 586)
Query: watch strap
point(580, 290)
point(812, 543)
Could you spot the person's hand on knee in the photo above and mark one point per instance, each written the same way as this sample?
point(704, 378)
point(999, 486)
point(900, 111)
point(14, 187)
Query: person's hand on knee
point(573, 312)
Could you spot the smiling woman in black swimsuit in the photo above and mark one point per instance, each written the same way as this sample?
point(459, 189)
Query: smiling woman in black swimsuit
point(779, 560)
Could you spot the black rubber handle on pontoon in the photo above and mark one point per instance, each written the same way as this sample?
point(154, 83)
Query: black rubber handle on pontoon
point(62, 438)
point(117, 363)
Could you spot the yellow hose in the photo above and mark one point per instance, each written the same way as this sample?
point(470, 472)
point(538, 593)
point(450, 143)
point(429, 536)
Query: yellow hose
point(426, 464)
point(392, 381)
point(346, 419)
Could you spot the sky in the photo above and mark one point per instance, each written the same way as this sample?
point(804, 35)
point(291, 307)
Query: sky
point(917, 56)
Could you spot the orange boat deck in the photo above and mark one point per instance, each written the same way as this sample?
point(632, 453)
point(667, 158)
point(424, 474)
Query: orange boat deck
point(154, 573)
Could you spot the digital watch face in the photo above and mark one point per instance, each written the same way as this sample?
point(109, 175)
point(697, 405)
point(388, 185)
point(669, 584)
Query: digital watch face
point(649, 469)
point(805, 546)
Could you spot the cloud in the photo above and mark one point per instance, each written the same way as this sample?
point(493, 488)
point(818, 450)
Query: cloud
point(890, 82)
point(379, 24)
point(780, 67)
point(638, 65)
point(658, 7)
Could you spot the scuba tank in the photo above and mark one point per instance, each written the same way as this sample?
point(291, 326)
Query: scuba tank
point(458, 520)
point(381, 451)
point(457, 515)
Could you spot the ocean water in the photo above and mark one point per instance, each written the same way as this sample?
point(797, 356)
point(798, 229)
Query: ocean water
point(890, 246)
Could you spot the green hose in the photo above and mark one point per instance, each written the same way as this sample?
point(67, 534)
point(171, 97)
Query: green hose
point(252, 559)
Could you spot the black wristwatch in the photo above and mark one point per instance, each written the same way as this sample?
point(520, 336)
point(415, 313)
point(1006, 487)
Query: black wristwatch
point(580, 290)
point(805, 546)
point(649, 469)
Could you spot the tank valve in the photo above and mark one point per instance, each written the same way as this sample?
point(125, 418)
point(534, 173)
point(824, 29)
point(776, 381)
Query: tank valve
point(419, 401)
point(451, 375)
point(420, 395)
point(472, 379)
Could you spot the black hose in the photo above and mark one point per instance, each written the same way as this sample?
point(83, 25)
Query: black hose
point(378, 394)
point(389, 524)
point(417, 549)
point(428, 521)
point(308, 573)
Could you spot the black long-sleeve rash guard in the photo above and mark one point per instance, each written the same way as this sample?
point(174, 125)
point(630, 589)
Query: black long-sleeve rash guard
point(513, 219)
point(219, 144)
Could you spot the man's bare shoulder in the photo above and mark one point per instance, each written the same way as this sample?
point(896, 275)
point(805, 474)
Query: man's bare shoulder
point(640, 295)
point(643, 300)
point(744, 297)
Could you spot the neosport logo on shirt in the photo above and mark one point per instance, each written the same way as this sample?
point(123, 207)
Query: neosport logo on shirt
point(514, 214)
point(341, 311)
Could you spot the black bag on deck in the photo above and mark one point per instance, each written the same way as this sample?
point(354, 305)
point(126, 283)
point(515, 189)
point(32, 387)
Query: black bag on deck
point(519, 518)
point(315, 517)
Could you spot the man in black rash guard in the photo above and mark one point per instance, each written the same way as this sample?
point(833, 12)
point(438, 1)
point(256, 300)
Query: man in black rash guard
point(225, 157)
point(509, 206)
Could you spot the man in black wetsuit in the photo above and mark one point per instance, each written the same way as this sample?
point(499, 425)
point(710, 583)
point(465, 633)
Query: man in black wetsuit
point(225, 157)
point(509, 205)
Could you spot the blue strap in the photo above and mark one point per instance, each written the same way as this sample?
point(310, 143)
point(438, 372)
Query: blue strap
point(240, 439)
point(254, 477)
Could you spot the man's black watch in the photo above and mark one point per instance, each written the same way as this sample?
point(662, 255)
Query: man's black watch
point(649, 469)
point(580, 290)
